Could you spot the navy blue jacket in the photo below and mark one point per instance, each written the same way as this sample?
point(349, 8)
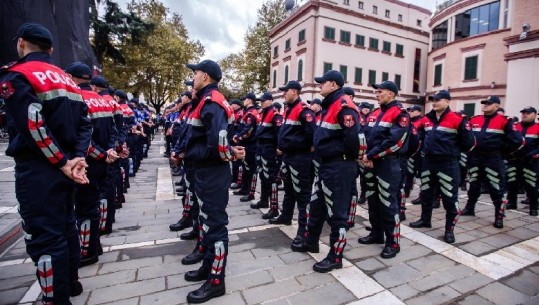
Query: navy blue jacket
point(268, 129)
point(297, 132)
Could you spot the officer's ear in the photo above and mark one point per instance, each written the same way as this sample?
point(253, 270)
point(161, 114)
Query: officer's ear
point(50, 51)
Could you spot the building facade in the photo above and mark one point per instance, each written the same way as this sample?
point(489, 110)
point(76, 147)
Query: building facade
point(476, 51)
point(369, 41)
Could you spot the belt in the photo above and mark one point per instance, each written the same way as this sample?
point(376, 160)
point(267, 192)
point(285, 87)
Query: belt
point(336, 158)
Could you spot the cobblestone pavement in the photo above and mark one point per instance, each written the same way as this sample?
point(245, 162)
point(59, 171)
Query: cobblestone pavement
point(141, 264)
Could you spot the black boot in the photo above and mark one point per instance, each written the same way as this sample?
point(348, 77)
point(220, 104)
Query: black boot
point(402, 215)
point(390, 251)
point(420, 224)
point(207, 291)
point(201, 274)
point(272, 213)
point(193, 234)
point(467, 211)
point(181, 224)
point(327, 265)
point(279, 221)
point(371, 239)
point(247, 197)
point(240, 192)
point(305, 247)
point(498, 222)
point(533, 213)
point(449, 237)
point(416, 201)
point(260, 204)
point(511, 206)
point(75, 289)
point(195, 257)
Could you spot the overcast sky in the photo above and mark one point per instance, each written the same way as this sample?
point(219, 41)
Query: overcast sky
point(221, 24)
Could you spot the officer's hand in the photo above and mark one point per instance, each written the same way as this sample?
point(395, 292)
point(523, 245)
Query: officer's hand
point(239, 152)
point(175, 158)
point(68, 167)
point(111, 156)
point(235, 139)
point(79, 171)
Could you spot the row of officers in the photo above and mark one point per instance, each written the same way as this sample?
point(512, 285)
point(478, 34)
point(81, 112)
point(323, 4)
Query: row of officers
point(318, 149)
point(75, 142)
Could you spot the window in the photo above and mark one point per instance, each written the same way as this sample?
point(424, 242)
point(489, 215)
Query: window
point(329, 33)
point(286, 75)
point(360, 40)
point(300, 70)
point(385, 76)
point(358, 75)
point(387, 46)
point(344, 71)
point(417, 70)
point(287, 44)
point(469, 109)
point(345, 36)
point(372, 77)
point(373, 43)
point(346, 2)
point(400, 17)
point(478, 20)
point(387, 13)
point(328, 66)
point(438, 75)
point(419, 22)
point(301, 36)
point(274, 78)
point(470, 68)
point(398, 81)
point(439, 35)
point(375, 9)
point(275, 51)
point(400, 50)
point(360, 5)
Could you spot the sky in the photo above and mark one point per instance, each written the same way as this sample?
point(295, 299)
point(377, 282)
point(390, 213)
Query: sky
point(220, 25)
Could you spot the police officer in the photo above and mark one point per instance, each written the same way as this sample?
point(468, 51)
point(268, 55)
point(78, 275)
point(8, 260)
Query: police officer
point(207, 147)
point(446, 135)
point(524, 168)
point(364, 110)
point(295, 142)
point(49, 134)
point(336, 143)
point(266, 137)
point(237, 106)
point(386, 132)
point(413, 165)
point(128, 117)
point(316, 107)
point(246, 137)
point(494, 134)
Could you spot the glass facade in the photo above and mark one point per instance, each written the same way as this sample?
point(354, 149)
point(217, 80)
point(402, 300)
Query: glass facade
point(478, 20)
point(439, 35)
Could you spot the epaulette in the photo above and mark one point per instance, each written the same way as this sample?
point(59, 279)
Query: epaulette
point(9, 65)
point(344, 104)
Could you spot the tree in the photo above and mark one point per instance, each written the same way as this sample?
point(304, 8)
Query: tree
point(116, 26)
point(250, 68)
point(155, 67)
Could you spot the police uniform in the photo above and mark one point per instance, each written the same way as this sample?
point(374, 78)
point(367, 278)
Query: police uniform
point(445, 138)
point(236, 165)
point(386, 131)
point(48, 125)
point(495, 135)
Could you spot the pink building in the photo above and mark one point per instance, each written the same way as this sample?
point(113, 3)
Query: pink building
point(368, 41)
point(476, 51)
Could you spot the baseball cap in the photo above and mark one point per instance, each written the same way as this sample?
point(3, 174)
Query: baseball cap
point(208, 66)
point(121, 94)
point(316, 101)
point(331, 75)
point(36, 34)
point(250, 96)
point(529, 109)
point(79, 70)
point(277, 105)
point(414, 108)
point(364, 105)
point(442, 94)
point(237, 102)
point(291, 85)
point(189, 83)
point(99, 81)
point(186, 93)
point(493, 99)
point(348, 91)
point(389, 85)
point(267, 96)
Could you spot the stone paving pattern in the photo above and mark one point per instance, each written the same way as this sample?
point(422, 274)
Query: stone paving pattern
point(141, 264)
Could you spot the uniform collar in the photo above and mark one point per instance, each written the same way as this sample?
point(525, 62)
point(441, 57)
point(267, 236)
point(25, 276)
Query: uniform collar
point(388, 105)
point(332, 97)
point(206, 89)
point(85, 86)
point(37, 56)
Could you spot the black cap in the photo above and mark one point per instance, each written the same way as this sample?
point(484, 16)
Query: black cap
point(364, 105)
point(414, 108)
point(36, 34)
point(501, 109)
point(189, 83)
point(442, 94)
point(291, 85)
point(277, 105)
point(121, 94)
point(80, 70)
point(430, 98)
point(187, 93)
point(250, 96)
point(389, 85)
point(267, 96)
point(177, 101)
point(209, 66)
point(111, 90)
point(349, 91)
point(331, 75)
point(493, 99)
point(134, 100)
point(529, 109)
point(237, 102)
point(316, 101)
point(99, 81)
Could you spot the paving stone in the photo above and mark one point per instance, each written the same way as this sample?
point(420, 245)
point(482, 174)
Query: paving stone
point(475, 300)
point(17, 282)
point(441, 277)
point(431, 263)
point(240, 257)
point(290, 271)
point(396, 275)
point(258, 253)
point(130, 264)
point(524, 281)
point(168, 297)
point(242, 282)
point(406, 254)
point(88, 271)
point(12, 296)
point(81, 299)
point(277, 302)
point(128, 290)
point(501, 294)
point(522, 233)
point(404, 291)
point(234, 298)
point(109, 279)
point(500, 240)
point(440, 295)
point(369, 264)
point(362, 252)
point(532, 301)
point(315, 279)
point(131, 301)
point(162, 270)
point(293, 257)
point(334, 293)
point(471, 283)
point(272, 291)
point(477, 248)
point(253, 266)
point(7, 272)
point(384, 297)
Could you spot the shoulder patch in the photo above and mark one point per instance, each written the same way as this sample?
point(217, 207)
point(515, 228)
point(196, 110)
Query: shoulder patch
point(404, 121)
point(468, 126)
point(349, 121)
point(6, 90)
point(308, 117)
point(344, 104)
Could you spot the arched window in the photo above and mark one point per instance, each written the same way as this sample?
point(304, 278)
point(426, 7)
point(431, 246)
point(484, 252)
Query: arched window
point(300, 70)
point(274, 78)
point(286, 75)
